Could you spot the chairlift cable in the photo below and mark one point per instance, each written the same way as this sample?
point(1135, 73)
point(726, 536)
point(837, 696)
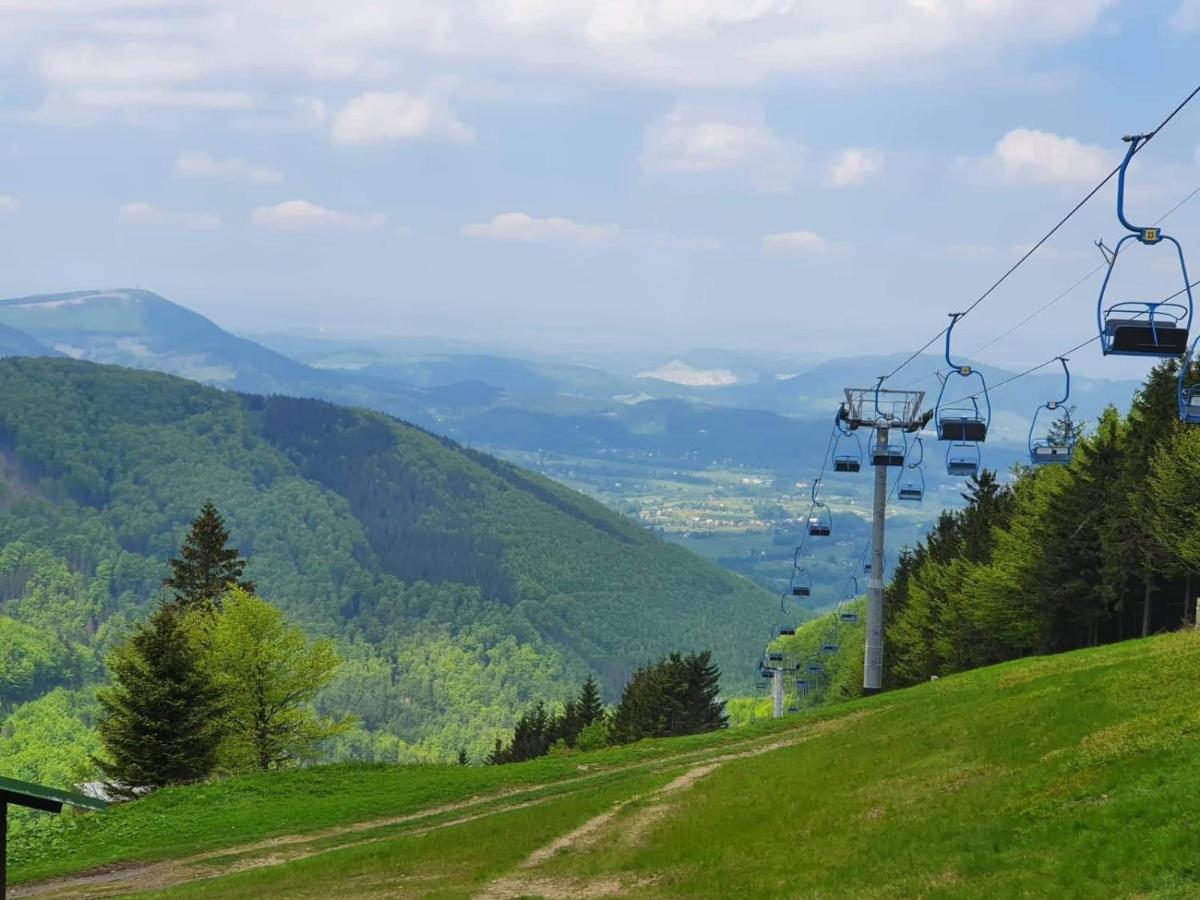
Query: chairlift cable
point(1046, 237)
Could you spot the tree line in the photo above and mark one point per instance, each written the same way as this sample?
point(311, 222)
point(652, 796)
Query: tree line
point(675, 696)
point(1060, 557)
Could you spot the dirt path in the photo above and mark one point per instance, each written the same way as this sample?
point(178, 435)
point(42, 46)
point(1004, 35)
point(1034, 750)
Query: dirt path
point(654, 806)
point(283, 849)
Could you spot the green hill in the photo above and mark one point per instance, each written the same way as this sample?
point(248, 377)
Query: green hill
point(458, 586)
point(1064, 776)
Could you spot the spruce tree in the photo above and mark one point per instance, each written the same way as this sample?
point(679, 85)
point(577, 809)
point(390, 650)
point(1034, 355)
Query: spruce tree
point(206, 567)
point(589, 707)
point(161, 719)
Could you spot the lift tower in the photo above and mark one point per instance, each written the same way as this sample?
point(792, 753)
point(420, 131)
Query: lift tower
point(886, 413)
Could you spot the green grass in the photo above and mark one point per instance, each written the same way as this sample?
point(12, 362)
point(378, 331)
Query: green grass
point(1067, 776)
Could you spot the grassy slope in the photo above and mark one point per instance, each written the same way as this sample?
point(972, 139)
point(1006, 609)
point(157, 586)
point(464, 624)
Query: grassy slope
point(1065, 776)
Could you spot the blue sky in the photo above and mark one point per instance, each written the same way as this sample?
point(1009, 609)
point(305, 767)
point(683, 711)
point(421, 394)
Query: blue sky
point(778, 174)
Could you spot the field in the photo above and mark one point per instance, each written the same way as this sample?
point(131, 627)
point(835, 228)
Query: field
point(745, 519)
point(1066, 776)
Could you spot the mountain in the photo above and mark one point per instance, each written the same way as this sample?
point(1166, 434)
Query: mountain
point(17, 343)
point(459, 586)
point(1066, 776)
point(141, 330)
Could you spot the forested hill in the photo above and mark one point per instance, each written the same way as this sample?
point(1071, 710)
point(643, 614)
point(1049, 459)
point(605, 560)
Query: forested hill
point(458, 586)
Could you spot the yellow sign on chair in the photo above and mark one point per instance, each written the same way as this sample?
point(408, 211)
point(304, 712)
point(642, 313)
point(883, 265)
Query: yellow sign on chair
point(1150, 235)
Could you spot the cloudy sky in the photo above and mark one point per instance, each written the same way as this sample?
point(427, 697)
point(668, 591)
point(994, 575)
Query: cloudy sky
point(784, 174)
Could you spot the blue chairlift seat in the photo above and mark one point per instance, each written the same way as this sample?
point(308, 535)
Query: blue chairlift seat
point(847, 449)
point(801, 684)
point(849, 618)
point(820, 519)
point(801, 590)
point(829, 647)
point(1051, 449)
point(891, 453)
point(785, 631)
point(1134, 327)
point(1189, 389)
point(962, 420)
point(775, 657)
point(963, 460)
point(815, 668)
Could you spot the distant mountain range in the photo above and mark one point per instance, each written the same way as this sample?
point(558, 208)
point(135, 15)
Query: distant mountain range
point(696, 410)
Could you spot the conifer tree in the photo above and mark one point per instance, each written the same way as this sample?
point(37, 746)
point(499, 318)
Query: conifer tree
point(161, 719)
point(589, 707)
point(206, 567)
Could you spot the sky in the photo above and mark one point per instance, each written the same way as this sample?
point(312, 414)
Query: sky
point(788, 176)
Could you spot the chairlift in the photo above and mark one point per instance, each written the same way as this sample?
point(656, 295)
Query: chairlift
point(955, 419)
point(1189, 388)
point(847, 448)
point(1055, 448)
point(829, 647)
point(815, 668)
point(913, 489)
point(775, 657)
point(891, 453)
point(801, 581)
point(820, 519)
point(963, 460)
point(912, 486)
point(786, 631)
point(850, 618)
point(1138, 327)
point(802, 684)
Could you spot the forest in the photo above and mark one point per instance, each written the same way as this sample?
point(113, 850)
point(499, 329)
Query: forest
point(457, 588)
point(1044, 560)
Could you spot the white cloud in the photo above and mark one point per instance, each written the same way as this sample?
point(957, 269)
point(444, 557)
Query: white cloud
point(807, 243)
point(518, 226)
point(143, 214)
point(855, 165)
point(375, 118)
point(92, 66)
point(301, 215)
point(1187, 16)
point(692, 139)
point(1028, 156)
point(218, 43)
point(9, 205)
point(197, 164)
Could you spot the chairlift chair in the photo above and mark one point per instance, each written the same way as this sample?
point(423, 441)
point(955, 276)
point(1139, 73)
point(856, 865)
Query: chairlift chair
point(820, 519)
point(847, 449)
point(1053, 449)
point(815, 668)
point(963, 460)
point(912, 487)
point(801, 581)
point(962, 420)
point(1136, 327)
point(850, 618)
point(891, 453)
point(829, 647)
point(1189, 388)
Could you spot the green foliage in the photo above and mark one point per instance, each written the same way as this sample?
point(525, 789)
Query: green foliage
point(1064, 776)
point(33, 662)
point(268, 674)
point(538, 732)
point(206, 567)
point(1064, 557)
point(677, 695)
point(458, 588)
point(594, 736)
point(163, 714)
